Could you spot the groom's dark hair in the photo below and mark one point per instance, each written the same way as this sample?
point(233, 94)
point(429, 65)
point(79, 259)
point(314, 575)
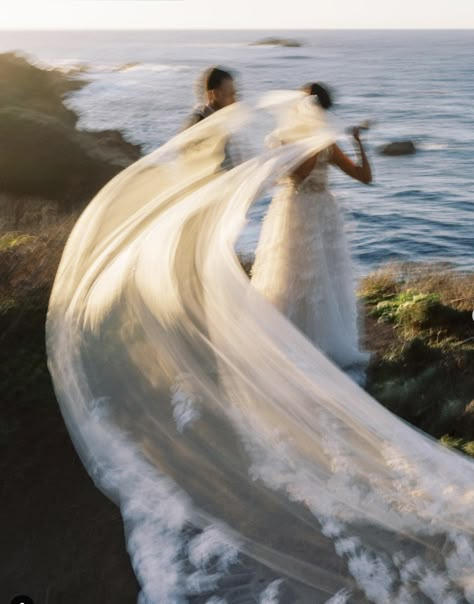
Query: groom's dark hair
point(323, 94)
point(214, 77)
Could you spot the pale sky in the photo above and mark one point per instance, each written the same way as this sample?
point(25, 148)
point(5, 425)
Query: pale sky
point(235, 14)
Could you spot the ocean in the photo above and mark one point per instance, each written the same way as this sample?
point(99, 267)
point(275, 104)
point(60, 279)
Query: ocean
point(416, 85)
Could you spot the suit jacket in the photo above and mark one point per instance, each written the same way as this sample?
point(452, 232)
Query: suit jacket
point(199, 113)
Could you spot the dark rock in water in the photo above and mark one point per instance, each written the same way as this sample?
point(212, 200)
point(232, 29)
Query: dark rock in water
point(289, 43)
point(42, 154)
point(398, 148)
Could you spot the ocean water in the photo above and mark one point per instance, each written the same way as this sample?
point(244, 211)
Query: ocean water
point(416, 85)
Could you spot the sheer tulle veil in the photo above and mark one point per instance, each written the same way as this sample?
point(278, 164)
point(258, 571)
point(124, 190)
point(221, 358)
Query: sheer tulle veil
point(237, 452)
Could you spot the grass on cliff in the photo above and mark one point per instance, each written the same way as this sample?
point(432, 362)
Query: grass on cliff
point(59, 525)
point(423, 371)
point(28, 263)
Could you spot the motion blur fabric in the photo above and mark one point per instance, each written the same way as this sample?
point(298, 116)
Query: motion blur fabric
point(247, 466)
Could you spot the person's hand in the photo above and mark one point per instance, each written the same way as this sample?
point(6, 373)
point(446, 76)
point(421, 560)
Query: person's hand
point(356, 133)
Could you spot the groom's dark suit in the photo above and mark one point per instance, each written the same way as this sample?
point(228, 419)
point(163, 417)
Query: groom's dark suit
point(199, 113)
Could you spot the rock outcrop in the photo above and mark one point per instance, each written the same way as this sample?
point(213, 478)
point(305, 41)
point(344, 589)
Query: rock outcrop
point(42, 153)
point(289, 43)
point(398, 148)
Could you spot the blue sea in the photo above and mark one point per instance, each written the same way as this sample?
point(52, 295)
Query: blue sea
point(416, 85)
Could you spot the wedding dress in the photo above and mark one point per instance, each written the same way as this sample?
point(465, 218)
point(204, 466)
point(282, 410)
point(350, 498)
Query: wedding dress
point(247, 466)
point(303, 266)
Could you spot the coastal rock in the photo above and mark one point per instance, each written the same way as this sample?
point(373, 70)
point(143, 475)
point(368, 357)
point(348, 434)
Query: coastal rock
point(24, 85)
point(286, 42)
point(42, 153)
point(398, 148)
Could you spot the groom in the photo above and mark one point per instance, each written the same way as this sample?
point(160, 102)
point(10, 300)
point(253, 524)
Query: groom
point(219, 88)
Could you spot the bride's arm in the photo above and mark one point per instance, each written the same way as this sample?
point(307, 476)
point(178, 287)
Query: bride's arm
point(361, 172)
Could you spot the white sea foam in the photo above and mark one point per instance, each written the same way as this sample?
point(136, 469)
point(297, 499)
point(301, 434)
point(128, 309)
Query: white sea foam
point(433, 146)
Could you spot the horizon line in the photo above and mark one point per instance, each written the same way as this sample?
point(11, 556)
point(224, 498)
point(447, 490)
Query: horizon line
point(142, 29)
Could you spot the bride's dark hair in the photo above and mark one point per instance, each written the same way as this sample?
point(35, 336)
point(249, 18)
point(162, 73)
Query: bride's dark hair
point(320, 91)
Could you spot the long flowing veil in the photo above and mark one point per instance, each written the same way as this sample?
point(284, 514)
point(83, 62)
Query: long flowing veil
point(247, 466)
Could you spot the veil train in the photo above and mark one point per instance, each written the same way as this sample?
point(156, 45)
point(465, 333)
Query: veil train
point(247, 466)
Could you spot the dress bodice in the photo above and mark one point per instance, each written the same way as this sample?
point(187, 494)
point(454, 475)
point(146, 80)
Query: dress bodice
point(317, 179)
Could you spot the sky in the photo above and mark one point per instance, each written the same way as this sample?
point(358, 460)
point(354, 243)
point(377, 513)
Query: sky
point(236, 14)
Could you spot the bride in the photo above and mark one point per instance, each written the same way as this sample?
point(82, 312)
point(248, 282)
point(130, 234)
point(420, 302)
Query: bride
point(277, 478)
point(302, 263)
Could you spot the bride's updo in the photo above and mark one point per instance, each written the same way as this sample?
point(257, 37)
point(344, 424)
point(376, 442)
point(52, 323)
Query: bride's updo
point(300, 114)
point(320, 92)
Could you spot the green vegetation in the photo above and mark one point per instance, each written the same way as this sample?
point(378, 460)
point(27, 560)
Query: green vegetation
point(420, 326)
point(10, 240)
